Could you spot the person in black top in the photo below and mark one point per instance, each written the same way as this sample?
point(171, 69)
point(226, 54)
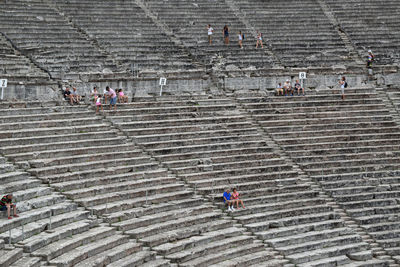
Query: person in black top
point(6, 204)
point(225, 32)
point(68, 96)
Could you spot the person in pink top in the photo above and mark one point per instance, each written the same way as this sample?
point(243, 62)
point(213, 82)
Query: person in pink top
point(113, 97)
point(122, 98)
point(236, 199)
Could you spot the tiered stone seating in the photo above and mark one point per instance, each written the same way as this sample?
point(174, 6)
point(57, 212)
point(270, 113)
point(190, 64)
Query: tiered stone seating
point(53, 43)
point(371, 25)
point(16, 66)
point(212, 145)
point(181, 133)
point(188, 21)
point(123, 29)
point(76, 153)
point(299, 32)
point(349, 147)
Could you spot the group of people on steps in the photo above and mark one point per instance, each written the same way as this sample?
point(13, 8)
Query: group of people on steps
point(240, 36)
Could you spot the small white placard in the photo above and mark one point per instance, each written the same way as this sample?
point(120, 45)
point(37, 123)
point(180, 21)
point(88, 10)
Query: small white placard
point(163, 81)
point(3, 83)
point(302, 75)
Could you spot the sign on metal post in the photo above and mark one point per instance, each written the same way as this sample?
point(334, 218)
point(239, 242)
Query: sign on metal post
point(163, 82)
point(302, 76)
point(3, 84)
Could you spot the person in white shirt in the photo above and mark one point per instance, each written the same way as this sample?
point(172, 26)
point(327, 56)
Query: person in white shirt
point(240, 37)
point(210, 31)
point(259, 40)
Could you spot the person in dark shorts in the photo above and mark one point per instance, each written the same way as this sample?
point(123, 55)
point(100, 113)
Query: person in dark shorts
point(370, 60)
point(6, 204)
point(297, 86)
point(225, 33)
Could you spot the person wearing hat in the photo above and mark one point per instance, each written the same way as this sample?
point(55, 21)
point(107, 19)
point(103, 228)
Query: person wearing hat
point(6, 204)
point(288, 88)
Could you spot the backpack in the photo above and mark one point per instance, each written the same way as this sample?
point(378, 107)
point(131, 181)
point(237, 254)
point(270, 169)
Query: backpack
point(242, 36)
point(345, 84)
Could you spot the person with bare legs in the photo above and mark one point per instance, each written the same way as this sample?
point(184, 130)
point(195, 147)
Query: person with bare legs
point(113, 98)
point(259, 40)
point(240, 39)
point(6, 204)
point(210, 32)
point(343, 85)
point(236, 199)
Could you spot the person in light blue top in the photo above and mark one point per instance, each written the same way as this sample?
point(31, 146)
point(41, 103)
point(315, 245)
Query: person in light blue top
point(227, 200)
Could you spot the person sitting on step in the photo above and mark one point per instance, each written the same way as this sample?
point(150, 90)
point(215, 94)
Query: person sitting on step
point(279, 89)
point(236, 199)
point(298, 87)
point(6, 204)
point(227, 200)
point(288, 88)
point(77, 98)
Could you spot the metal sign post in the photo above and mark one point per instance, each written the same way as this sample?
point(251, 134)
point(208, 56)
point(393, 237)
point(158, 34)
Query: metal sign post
point(163, 82)
point(302, 76)
point(3, 84)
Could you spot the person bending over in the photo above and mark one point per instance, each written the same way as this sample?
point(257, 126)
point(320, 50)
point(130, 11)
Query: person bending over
point(6, 204)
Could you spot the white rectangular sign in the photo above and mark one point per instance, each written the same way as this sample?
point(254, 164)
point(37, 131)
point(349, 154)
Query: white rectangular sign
point(3, 83)
point(302, 75)
point(163, 81)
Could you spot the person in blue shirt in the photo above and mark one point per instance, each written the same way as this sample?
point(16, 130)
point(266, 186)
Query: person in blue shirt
point(227, 200)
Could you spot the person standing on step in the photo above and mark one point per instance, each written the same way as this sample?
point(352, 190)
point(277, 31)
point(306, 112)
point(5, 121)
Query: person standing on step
point(225, 33)
point(98, 104)
point(227, 200)
point(259, 40)
point(236, 199)
point(240, 39)
point(113, 98)
point(94, 94)
point(210, 32)
point(343, 85)
point(370, 60)
point(6, 204)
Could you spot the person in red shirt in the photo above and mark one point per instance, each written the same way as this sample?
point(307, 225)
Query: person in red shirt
point(6, 204)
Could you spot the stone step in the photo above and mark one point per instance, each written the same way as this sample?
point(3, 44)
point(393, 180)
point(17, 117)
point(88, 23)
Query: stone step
point(307, 256)
point(172, 158)
point(137, 259)
point(118, 187)
point(6, 168)
point(149, 139)
point(161, 217)
point(10, 257)
point(369, 263)
point(104, 163)
point(284, 213)
point(46, 116)
point(63, 246)
point(71, 122)
point(51, 139)
point(328, 241)
point(236, 172)
point(234, 252)
point(261, 258)
point(215, 166)
point(26, 261)
point(41, 158)
point(31, 193)
point(101, 171)
point(185, 232)
point(52, 131)
point(285, 178)
point(128, 194)
point(39, 202)
point(341, 260)
point(39, 226)
point(79, 254)
point(176, 144)
point(57, 233)
point(19, 185)
point(124, 251)
point(154, 130)
point(148, 230)
point(109, 179)
point(127, 204)
point(183, 246)
point(128, 214)
point(393, 209)
point(260, 228)
point(157, 263)
point(223, 244)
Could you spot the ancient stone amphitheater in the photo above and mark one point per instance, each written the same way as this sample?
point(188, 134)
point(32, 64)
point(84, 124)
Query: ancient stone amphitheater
point(143, 186)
